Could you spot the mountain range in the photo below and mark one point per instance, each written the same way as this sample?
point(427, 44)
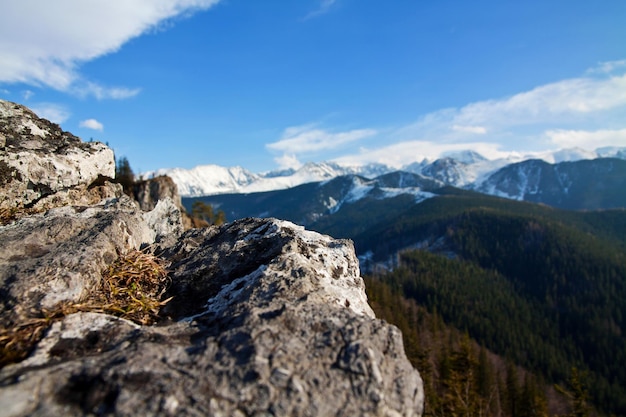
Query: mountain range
point(465, 169)
point(579, 185)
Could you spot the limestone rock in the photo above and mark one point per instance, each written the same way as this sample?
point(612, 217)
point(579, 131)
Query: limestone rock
point(265, 318)
point(60, 255)
point(268, 319)
point(38, 159)
point(149, 192)
point(165, 221)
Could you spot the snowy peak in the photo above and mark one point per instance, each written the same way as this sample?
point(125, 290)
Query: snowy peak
point(208, 179)
point(567, 155)
point(459, 169)
point(463, 169)
point(213, 179)
point(467, 157)
point(583, 184)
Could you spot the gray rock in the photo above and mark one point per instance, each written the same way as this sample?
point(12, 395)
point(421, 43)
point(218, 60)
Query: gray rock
point(279, 326)
point(265, 318)
point(165, 221)
point(60, 255)
point(149, 192)
point(38, 159)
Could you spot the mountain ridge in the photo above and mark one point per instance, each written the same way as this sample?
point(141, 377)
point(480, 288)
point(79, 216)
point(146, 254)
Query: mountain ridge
point(463, 169)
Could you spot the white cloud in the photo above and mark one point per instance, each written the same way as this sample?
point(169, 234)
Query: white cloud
point(324, 7)
point(303, 139)
point(587, 139)
point(403, 153)
point(27, 94)
point(524, 116)
point(287, 161)
point(568, 98)
point(92, 124)
point(47, 47)
point(564, 114)
point(56, 113)
point(476, 130)
point(608, 67)
point(101, 93)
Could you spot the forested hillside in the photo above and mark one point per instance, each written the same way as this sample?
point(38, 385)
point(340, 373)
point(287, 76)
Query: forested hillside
point(464, 378)
point(542, 287)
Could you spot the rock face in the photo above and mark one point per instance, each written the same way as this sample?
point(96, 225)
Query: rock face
point(38, 160)
point(148, 192)
point(265, 318)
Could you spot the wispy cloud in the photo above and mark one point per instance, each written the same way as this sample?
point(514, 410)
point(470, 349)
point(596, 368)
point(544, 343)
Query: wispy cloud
point(288, 161)
point(56, 113)
point(475, 130)
point(48, 47)
point(565, 99)
point(92, 124)
point(567, 113)
point(83, 89)
point(587, 139)
point(307, 139)
point(323, 8)
point(608, 67)
point(403, 153)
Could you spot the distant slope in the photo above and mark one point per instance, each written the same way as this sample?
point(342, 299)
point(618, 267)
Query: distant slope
point(579, 185)
point(587, 184)
point(207, 180)
point(307, 203)
point(542, 286)
point(464, 169)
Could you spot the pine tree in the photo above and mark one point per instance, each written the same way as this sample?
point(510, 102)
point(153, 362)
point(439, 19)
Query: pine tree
point(461, 397)
point(577, 392)
point(513, 394)
point(124, 175)
point(204, 211)
point(533, 399)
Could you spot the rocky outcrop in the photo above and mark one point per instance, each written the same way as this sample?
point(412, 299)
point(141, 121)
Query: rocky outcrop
point(148, 192)
point(43, 166)
point(260, 317)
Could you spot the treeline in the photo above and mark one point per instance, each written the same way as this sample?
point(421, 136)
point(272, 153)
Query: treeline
point(463, 378)
point(201, 215)
point(529, 292)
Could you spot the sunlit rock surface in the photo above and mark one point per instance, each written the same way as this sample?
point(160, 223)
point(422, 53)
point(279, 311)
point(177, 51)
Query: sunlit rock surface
point(265, 317)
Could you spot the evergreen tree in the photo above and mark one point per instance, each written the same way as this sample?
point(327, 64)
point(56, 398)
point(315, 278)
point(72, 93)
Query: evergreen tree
point(533, 399)
point(513, 391)
point(576, 391)
point(124, 175)
point(204, 211)
point(461, 396)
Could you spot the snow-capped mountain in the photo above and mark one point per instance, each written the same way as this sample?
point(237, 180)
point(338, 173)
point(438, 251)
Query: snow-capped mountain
point(307, 203)
point(212, 179)
point(208, 179)
point(583, 184)
point(465, 169)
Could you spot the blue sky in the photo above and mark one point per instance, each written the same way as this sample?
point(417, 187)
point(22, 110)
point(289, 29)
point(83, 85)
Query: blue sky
point(266, 84)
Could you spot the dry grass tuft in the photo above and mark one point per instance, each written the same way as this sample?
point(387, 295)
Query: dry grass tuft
point(18, 341)
point(9, 215)
point(132, 288)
